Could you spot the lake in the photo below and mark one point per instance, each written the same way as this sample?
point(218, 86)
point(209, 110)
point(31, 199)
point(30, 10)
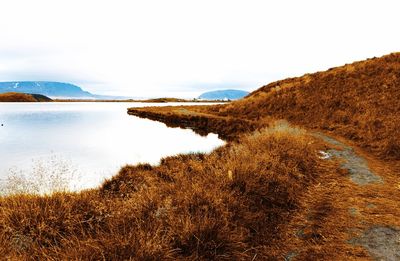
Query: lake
point(93, 140)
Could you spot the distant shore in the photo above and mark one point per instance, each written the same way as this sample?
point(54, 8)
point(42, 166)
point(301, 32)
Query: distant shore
point(27, 97)
point(23, 97)
point(156, 100)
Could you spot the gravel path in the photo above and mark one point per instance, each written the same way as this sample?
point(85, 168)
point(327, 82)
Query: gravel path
point(356, 165)
point(382, 242)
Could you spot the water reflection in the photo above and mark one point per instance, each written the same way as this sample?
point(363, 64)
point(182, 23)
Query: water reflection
point(97, 138)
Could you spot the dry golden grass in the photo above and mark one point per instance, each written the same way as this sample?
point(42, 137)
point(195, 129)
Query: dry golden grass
point(356, 103)
point(231, 204)
point(359, 101)
point(22, 97)
point(44, 176)
point(228, 128)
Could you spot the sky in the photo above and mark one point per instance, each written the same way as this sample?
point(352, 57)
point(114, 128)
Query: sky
point(182, 48)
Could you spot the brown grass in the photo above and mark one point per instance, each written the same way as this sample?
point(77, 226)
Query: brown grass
point(22, 97)
point(231, 204)
point(359, 101)
point(228, 128)
point(356, 103)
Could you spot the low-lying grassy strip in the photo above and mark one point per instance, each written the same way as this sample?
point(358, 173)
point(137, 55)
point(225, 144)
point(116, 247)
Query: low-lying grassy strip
point(228, 128)
point(23, 97)
point(230, 204)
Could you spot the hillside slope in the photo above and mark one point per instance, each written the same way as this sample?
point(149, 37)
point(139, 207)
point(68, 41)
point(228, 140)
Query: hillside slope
point(354, 109)
point(23, 97)
point(358, 101)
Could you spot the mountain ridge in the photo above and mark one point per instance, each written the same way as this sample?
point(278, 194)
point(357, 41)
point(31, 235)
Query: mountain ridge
point(47, 88)
point(228, 94)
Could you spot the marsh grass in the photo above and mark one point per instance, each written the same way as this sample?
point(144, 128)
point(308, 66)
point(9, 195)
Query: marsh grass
point(45, 176)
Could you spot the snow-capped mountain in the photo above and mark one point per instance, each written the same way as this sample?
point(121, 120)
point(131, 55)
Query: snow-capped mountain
point(51, 89)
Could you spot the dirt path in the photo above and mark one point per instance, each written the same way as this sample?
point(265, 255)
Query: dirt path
point(359, 209)
point(356, 165)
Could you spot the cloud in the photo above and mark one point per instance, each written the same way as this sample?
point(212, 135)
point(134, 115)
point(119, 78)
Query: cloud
point(141, 48)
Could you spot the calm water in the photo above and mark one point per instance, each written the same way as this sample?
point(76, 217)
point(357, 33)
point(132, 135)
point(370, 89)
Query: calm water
point(91, 139)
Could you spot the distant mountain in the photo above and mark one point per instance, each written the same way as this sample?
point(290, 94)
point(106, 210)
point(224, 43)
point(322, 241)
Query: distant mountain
point(223, 95)
point(23, 97)
point(51, 89)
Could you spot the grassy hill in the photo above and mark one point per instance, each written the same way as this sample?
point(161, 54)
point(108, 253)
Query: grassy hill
point(22, 97)
point(322, 187)
point(358, 101)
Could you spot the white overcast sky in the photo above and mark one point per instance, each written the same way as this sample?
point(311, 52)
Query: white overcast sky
point(182, 48)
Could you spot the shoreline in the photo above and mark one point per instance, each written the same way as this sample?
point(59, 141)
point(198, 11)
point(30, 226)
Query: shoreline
point(157, 100)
